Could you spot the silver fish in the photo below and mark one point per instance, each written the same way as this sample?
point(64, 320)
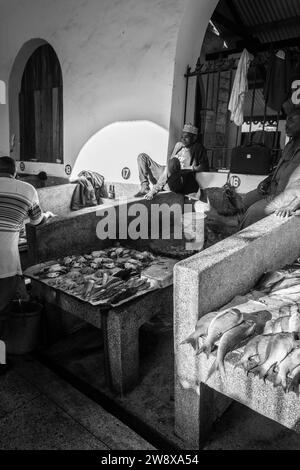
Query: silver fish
point(230, 340)
point(289, 363)
point(280, 325)
point(200, 330)
point(223, 322)
point(250, 351)
point(294, 323)
point(286, 324)
point(280, 345)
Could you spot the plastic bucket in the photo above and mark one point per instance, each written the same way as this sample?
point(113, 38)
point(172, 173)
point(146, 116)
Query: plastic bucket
point(193, 230)
point(22, 327)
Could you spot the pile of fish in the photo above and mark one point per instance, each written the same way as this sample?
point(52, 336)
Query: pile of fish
point(227, 328)
point(272, 348)
point(103, 277)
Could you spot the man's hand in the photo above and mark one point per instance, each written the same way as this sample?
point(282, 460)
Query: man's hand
point(150, 195)
point(48, 215)
point(283, 212)
point(290, 209)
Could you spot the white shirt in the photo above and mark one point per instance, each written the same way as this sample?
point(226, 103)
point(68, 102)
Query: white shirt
point(183, 154)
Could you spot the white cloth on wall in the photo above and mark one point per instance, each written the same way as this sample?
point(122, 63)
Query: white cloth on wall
point(240, 86)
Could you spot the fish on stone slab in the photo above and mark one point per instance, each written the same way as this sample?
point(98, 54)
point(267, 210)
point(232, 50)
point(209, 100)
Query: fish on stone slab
point(280, 345)
point(260, 317)
point(270, 279)
point(286, 324)
point(285, 283)
point(230, 340)
point(280, 325)
point(289, 363)
point(223, 322)
point(200, 330)
point(250, 352)
point(261, 352)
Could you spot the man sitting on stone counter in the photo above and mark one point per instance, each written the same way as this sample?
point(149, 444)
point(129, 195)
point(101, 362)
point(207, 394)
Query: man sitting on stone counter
point(188, 157)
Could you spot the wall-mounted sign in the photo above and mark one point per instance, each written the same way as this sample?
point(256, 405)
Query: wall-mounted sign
point(68, 170)
point(235, 181)
point(22, 166)
point(126, 173)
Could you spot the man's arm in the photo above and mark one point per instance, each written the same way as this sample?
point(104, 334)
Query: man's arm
point(35, 213)
point(201, 161)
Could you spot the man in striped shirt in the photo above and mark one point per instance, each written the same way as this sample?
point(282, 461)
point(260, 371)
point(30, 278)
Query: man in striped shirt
point(18, 201)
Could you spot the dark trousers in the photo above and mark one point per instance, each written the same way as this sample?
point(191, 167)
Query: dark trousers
point(7, 290)
point(150, 172)
point(258, 206)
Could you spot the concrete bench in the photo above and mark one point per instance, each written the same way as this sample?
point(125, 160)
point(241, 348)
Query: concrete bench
point(76, 233)
point(57, 199)
point(206, 282)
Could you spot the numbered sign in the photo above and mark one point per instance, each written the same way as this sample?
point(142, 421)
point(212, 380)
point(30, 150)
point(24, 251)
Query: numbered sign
point(68, 170)
point(235, 181)
point(22, 166)
point(126, 173)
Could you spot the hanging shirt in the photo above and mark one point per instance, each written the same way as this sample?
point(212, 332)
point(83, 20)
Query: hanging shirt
point(240, 86)
point(278, 80)
point(18, 201)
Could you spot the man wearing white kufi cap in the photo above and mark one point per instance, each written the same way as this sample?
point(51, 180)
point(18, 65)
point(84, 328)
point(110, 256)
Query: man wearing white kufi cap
point(188, 157)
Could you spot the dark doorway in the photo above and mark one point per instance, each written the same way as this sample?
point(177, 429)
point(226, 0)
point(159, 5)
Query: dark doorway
point(41, 108)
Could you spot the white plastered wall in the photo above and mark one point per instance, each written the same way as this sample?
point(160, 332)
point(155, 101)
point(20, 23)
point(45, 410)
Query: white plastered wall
point(122, 60)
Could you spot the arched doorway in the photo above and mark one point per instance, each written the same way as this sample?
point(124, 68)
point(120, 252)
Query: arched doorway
point(41, 108)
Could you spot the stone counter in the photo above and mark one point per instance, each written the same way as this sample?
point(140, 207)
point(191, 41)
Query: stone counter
point(206, 282)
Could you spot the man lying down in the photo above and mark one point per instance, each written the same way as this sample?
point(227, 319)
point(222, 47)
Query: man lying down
point(263, 327)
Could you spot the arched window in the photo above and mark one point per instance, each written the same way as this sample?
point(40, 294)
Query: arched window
point(41, 108)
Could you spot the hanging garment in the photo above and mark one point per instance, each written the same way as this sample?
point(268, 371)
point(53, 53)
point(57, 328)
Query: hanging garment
point(240, 86)
point(277, 86)
point(89, 190)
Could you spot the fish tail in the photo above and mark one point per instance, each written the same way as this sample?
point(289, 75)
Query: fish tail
point(222, 368)
point(208, 350)
point(284, 385)
point(212, 370)
point(200, 350)
point(190, 340)
point(259, 369)
point(277, 381)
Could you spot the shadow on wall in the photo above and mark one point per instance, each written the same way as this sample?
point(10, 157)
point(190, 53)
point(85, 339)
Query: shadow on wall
point(117, 146)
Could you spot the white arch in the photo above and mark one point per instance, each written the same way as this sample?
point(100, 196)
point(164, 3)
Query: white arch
point(117, 146)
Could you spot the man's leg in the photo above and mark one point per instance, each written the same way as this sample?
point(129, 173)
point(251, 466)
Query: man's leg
point(149, 170)
point(7, 288)
point(257, 211)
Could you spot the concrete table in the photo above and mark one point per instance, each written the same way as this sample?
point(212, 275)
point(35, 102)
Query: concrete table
point(120, 326)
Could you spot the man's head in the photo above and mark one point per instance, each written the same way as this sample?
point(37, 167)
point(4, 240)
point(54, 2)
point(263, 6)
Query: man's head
point(189, 135)
point(8, 166)
point(292, 125)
